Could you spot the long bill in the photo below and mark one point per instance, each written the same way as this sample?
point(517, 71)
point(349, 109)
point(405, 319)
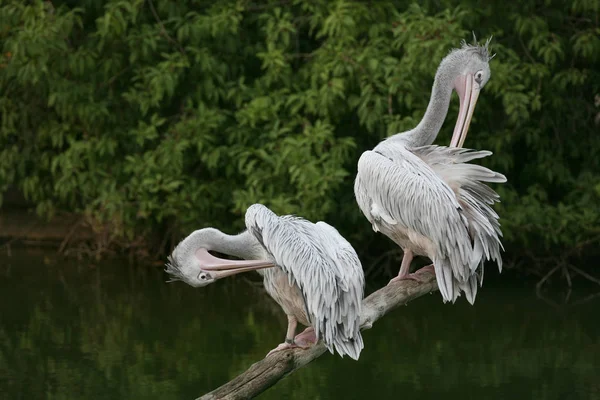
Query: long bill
point(221, 267)
point(468, 92)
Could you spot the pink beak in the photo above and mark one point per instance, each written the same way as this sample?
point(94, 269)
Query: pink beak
point(468, 92)
point(220, 267)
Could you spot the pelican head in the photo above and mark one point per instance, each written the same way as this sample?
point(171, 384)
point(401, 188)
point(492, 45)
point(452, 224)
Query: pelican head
point(203, 268)
point(194, 276)
point(468, 70)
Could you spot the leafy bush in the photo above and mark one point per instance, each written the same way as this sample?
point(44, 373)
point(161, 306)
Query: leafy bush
point(160, 116)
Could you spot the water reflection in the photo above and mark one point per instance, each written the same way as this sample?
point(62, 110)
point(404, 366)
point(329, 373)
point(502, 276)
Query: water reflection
point(113, 331)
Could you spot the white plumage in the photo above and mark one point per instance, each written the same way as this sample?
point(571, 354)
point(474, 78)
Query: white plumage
point(440, 209)
point(314, 274)
point(429, 199)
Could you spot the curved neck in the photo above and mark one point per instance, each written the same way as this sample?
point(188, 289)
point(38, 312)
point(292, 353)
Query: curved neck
point(437, 109)
point(242, 245)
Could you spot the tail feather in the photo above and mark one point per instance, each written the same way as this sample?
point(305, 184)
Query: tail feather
point(342, 332)
point(451, 287)
point(469, 288)
point(468, 181)
point(445, 279)
point(349, 346)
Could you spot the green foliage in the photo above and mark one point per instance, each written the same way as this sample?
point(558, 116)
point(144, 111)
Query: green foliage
point(157, 115)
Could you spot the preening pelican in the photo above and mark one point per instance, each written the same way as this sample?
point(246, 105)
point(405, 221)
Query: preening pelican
point(427, 198)
point(309, 269)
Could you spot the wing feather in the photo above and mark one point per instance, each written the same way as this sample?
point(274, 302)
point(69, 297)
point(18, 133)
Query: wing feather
point(432, 190)
point(419, 200)
point(325, 267)
point(476, 198)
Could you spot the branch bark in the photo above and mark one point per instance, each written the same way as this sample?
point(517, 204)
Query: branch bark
point(270, 370)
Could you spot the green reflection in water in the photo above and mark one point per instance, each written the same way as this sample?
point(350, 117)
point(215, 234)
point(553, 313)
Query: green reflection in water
point(113, 331)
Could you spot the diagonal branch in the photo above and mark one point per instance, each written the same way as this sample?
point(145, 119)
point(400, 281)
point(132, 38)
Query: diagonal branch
point(270, 370)
point(163, 30)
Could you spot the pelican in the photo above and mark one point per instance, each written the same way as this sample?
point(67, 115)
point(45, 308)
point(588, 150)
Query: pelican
point(309, 269)
point(428, 199)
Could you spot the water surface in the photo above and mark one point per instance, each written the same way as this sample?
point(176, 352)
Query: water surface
point(79, 330)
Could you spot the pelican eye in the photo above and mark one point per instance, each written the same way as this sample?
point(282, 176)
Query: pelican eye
point(478, 76)
point(203, 276)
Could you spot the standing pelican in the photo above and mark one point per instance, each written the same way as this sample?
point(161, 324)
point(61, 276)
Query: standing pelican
point(428, 199)
point(309, 269)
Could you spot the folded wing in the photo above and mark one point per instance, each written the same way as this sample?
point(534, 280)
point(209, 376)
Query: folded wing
point(325, 267)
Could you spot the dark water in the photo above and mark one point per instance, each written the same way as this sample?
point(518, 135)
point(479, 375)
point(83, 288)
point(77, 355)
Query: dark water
point(71, 330)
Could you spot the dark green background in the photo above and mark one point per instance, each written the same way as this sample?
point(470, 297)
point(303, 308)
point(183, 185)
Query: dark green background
point(157, 117)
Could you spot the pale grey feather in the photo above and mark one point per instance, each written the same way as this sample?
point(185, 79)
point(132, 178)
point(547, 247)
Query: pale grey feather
point(474, 196)
point(440, 206)
point(324, 266)
point(318, 279)
point(429, 200)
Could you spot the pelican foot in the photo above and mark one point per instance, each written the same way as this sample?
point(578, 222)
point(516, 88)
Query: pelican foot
point(415, 275)
point(303, 340)
point(306, 338)
point(283, 346)
point(428, 268)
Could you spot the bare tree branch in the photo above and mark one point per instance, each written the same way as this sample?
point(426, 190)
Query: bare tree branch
point(270, 370)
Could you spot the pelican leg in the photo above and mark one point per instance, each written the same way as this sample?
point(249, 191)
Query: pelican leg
point(403, 274)
point(404, 267)
point(291, 331)
point(289, 336)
